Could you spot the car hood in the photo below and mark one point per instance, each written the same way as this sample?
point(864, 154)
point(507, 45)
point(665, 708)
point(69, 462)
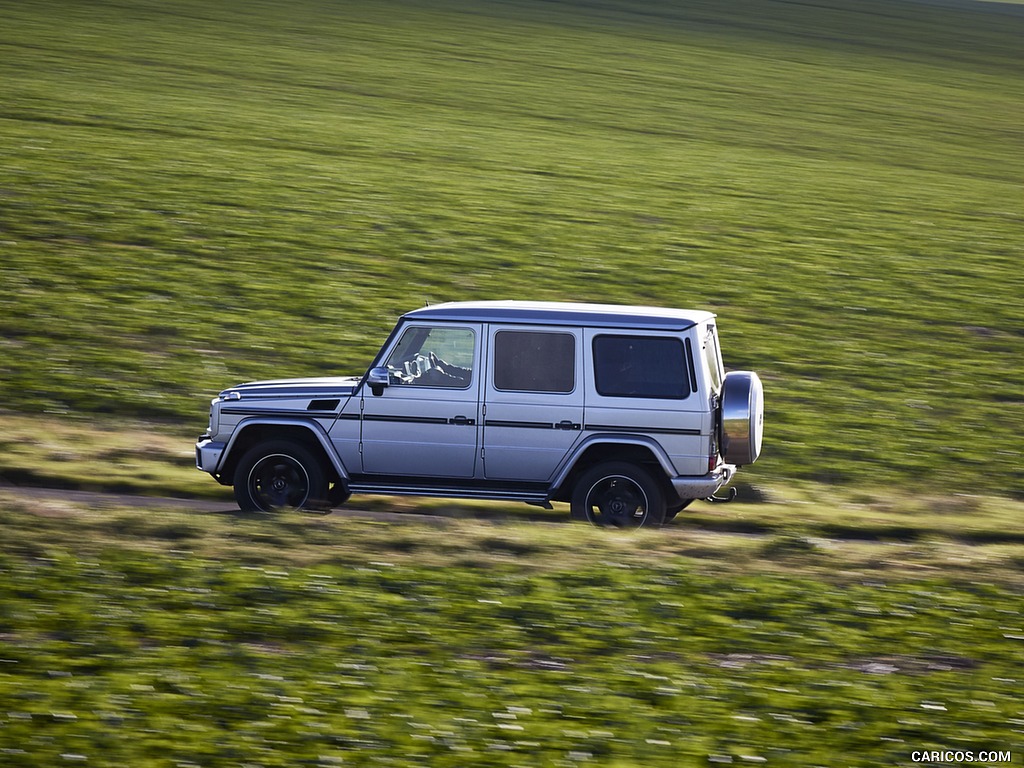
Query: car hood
point(322, 387)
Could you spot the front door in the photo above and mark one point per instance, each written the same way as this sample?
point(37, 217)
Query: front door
point(426, 422)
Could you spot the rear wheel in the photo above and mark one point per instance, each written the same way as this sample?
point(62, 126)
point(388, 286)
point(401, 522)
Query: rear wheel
point(675, 509)
point(618, 495)
point(278, 475)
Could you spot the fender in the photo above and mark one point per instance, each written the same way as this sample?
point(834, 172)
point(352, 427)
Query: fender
point(607, 438)
point(309, 424)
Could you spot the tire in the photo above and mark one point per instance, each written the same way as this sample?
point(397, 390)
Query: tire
point(742, 417)
point(675, 509)
point(278, 475)
point(618, 495)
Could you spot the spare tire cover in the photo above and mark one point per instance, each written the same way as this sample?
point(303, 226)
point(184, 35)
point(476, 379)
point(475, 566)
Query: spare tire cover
point(742, 417)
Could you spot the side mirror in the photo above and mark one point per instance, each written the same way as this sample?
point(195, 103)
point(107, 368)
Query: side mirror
point(378, 379)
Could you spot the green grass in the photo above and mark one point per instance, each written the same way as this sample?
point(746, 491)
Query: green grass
point(136, 637)
point(194, 195)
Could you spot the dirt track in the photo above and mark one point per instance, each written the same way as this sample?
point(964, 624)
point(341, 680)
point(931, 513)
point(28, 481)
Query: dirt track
point(114, 500)
point(98, 500)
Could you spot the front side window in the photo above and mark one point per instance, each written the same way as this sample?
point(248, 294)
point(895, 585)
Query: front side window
point(640, 366)
point(433, 357)
point(532, 361)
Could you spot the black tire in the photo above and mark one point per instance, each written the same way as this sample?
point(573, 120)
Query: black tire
point(278, 475)
point(618, 495)
point(675, 509)
point(338, 494)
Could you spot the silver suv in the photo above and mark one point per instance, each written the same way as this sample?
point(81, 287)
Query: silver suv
point(624, 412)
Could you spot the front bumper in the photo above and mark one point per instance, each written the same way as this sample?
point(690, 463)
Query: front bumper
point(208, 454)
point(703, 487)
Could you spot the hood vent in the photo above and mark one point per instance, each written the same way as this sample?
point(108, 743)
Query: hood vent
point(322, 405)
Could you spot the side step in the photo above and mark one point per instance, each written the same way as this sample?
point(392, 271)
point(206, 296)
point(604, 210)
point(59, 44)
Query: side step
point(492, 493)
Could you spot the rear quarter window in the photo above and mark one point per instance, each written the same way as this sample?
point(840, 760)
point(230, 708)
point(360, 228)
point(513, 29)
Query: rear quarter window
point(713, 357)
point(641, 366)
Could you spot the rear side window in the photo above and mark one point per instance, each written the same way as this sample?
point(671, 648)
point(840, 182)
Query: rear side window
point(640, 366)
point(531, 361)
point(713, 357)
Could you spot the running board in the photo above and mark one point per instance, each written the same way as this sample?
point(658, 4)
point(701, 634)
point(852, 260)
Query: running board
point(492, 494)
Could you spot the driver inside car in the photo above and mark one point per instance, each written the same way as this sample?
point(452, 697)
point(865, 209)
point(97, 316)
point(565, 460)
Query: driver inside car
point(443, 374)
point(428, 370)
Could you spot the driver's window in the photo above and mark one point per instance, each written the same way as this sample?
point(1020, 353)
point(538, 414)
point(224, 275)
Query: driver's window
point(433, 357)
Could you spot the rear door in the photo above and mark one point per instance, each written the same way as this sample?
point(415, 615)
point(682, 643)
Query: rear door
point(533, 400)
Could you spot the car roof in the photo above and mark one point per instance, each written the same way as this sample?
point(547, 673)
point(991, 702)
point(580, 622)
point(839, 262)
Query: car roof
point(563, 313)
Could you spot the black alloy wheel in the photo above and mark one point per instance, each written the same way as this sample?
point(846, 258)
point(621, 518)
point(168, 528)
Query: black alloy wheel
point(618, 495)
point(279, 475)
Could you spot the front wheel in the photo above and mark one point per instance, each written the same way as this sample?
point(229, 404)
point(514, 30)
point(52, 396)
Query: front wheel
point(618, 495)
point(279, 475)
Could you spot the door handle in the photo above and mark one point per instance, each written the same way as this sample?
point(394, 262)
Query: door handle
point(567, 424)
point(462, 421)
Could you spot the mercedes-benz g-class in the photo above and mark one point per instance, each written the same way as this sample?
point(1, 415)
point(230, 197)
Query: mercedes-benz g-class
point(626, 413)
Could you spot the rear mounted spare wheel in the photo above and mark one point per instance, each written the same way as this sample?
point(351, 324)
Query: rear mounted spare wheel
point(742, 417)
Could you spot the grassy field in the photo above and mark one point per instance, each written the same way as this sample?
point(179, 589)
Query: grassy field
point(136, 637)
point(193, 195)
